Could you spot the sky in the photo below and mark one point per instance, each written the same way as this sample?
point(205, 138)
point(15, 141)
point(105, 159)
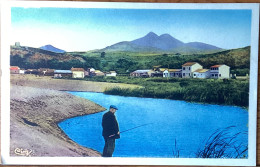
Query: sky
point(84, 29)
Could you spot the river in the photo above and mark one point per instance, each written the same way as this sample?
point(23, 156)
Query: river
point(173, 128)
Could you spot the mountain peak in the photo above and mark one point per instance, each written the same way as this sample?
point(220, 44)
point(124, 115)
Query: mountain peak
point(52, 49)
point(152, 34)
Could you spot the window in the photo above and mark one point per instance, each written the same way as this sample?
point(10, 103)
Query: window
point(220, 75)
point(216, 75)
point(194, 75)
point(183, 68)
point(184, 74)
point(189, 68)
point(212, 75)
point(189, 74)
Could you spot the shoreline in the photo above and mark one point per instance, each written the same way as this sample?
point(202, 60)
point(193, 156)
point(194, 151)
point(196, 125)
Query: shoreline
point(35, 115)
point(33, 128)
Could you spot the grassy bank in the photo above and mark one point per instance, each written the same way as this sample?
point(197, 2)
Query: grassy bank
point(226, 92)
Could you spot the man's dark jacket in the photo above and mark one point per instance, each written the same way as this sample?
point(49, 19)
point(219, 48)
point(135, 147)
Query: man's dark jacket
point(110, 125)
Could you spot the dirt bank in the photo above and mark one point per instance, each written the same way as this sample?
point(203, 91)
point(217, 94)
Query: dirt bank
point(35, 113)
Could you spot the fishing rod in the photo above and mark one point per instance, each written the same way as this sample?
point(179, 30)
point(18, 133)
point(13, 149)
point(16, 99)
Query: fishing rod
point(131, 129)
point(135, 127)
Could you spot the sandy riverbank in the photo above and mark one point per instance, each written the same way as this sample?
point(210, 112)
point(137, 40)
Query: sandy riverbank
point(35, 113)
point(48, 82)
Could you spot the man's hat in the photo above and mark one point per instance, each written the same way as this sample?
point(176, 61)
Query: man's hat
point(114, 107)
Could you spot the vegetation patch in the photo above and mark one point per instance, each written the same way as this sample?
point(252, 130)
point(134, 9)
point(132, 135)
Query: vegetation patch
point(212, 91)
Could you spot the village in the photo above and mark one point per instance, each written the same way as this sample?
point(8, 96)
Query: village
point(188, 70)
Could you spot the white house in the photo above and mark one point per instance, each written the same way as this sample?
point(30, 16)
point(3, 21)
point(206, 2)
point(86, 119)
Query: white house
point(201, 73)
point(188, 69)
point(22, 71)
point(166, 73)
point(172, 73)
point(111, 74)
point(220, 71)
point(78, 72)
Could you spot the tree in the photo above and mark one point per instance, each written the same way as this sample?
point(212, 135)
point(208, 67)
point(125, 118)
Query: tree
point(103, 54)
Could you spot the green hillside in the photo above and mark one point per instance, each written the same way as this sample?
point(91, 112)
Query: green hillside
point(126, 62)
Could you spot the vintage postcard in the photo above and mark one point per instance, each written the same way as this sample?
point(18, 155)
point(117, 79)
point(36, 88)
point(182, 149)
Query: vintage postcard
point(91, 83)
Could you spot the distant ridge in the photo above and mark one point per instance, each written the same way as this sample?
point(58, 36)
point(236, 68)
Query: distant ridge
point(163, 43)
point(52, 49)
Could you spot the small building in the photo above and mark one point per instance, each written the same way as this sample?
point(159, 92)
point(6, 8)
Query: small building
point(188, 69)
point(46, 71)
point(111, 74)
point(62, 73)
point(166, 73)
point(99, 73)
point(201, 73)
point(14, 70)
point(220, 71)
point(90, 72)
point(175, 73)
point(22, 71)
point(142, 73)
point(78, 72)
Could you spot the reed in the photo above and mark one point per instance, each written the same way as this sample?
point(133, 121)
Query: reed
point(224, 143)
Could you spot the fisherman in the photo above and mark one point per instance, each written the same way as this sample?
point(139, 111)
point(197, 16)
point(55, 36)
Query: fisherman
point(110, 131)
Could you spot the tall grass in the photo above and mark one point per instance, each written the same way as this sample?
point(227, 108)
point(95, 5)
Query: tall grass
point(224, 143)
point(231, 92)
point(176, 150)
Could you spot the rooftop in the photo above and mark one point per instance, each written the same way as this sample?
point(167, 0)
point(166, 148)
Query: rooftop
point(77, 69)
point(174, 70)
point(14, 68)
point(189, 63)
point(216, 66)
point(142, 71)
point(63, 71)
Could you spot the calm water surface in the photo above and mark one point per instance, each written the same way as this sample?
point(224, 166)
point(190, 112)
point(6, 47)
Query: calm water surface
point(190, 124)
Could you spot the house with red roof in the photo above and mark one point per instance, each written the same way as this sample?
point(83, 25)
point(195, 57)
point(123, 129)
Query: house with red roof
point(14, 70)
point(201, 73)
point(220, 71)
point(189, 68)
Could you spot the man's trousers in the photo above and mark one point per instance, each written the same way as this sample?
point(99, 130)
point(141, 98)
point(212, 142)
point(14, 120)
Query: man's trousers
point(109, 147)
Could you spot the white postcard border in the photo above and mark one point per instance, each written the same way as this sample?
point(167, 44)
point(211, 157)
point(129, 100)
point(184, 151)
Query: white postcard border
point(5, 91)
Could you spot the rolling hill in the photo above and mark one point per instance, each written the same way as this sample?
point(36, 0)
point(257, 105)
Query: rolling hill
point(125, 62)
